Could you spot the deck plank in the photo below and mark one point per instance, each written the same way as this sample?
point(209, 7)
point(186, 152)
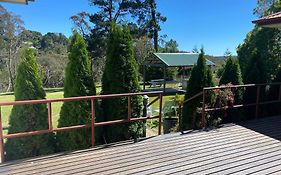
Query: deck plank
point(251, 147)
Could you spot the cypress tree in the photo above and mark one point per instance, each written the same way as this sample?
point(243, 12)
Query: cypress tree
point(255, 73)
point(201, 76)
point(120, 76)
point(78, 82)
point(26, 118)
point(232, 74)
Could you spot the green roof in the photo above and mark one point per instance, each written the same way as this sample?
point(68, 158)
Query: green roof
point(177, 59)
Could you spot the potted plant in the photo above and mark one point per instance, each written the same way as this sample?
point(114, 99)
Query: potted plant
point(170, 119)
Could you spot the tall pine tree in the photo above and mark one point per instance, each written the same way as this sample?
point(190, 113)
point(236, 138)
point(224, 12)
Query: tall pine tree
point(120, 76)
point(78, 82)
point(201, 76)
point(32, 117)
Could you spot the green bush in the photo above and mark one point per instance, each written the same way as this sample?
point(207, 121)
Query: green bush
point(26, 118)
point(78, 82)
point(120, 76)
point(201, 76)
point(273, 94)
point(232, 75)
point(255, 73)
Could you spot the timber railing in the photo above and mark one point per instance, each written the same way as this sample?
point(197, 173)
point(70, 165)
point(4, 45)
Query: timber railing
point(92, 125)
point(257, 101)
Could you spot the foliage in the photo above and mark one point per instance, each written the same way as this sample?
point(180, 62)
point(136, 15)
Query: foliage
point(169, 109)
point(232, 74)
point(273, 94)
point(54, 43)
point(267, 42)
point(266, 7)
point(26, 118)
point(120, 76)
point(51, 49)
point(52, 69)
point(170, 47)
point(201, 76)
point(149, 21)
point(255, 73)
point(32, 37)
point(10, 27)
point(158, 72)
point(109, 11)
point(78, 82)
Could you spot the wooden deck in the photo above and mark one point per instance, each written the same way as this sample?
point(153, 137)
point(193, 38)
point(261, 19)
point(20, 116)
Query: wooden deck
point(252, 147)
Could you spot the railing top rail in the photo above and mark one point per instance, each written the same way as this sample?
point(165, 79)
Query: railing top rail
point(24, 102)
point(237, 86)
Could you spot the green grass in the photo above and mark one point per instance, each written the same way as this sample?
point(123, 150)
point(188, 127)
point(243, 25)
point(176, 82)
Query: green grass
point(6, 110)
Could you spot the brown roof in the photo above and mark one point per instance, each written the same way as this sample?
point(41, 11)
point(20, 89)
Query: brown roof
point(269, 20)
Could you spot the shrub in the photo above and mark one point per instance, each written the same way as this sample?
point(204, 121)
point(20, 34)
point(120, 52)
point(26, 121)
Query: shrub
point(201, 76)
point(78, 82)
point(255, 73)
point(32, 117)
point(232, 75)
point(120, 76)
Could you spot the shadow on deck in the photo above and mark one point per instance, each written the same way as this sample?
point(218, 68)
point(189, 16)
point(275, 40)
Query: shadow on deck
point(251, 147)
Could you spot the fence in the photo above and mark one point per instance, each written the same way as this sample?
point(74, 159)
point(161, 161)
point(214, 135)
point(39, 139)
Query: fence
point(93, 124)
point(257, 102)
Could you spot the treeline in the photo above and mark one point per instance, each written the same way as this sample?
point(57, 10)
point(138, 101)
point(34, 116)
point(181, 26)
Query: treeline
point(51, 50)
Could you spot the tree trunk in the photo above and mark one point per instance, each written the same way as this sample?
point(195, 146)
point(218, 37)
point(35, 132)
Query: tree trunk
point(154, 24)
point(9, 66)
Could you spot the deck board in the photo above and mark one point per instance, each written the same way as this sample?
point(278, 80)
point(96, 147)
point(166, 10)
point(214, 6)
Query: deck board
point(252, 147)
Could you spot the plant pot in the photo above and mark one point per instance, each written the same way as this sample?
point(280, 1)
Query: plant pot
point(168, 124)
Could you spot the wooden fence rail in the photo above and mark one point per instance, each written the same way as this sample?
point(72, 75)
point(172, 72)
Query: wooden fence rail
point(257, 102)
point(92, 125)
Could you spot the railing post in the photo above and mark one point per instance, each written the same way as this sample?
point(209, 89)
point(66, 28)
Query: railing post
point(1, 139)
point(50, 116)
point(160, 113)
point(93, 120)
point(203, 110)
point(279, 92)
point(257, 101)
point(129, 108)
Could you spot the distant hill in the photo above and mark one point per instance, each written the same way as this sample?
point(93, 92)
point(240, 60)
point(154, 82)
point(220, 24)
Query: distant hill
point(218, 60)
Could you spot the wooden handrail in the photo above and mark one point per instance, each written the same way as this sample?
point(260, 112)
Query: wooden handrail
point(193, 97)
point(92, 125)
point(25, 102)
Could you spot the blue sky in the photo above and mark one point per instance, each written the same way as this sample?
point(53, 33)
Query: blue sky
point(218, 25)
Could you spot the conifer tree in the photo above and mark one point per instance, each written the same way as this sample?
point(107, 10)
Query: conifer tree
point(255, 74)
point(32, 117)
point(78, 82)
point(232, 74)
point(201, 76)
point(120, 76)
